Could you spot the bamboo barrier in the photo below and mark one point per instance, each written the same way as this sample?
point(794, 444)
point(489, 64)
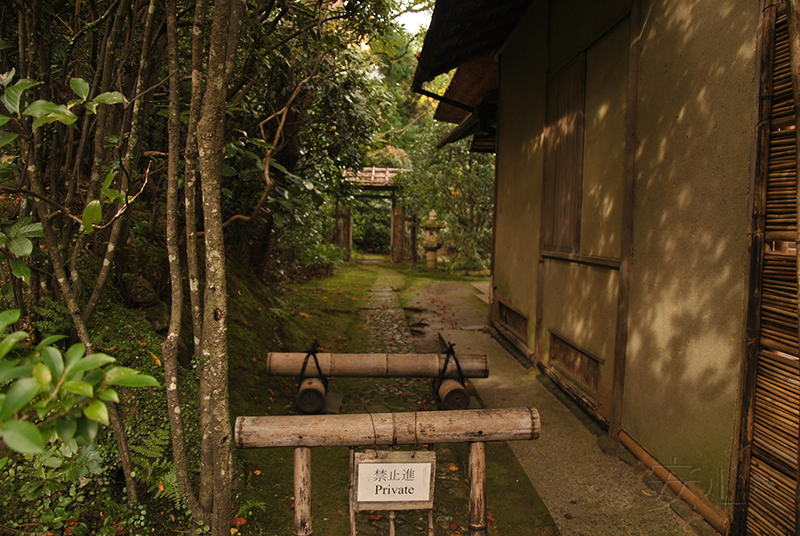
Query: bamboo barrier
point(373, 429)
point(466, 426)
point(377, 365)
point(311, 391)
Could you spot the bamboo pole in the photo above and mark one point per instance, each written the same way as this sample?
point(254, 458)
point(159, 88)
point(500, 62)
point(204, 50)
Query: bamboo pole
point(477, 489)
point(377, 365)
point(709, 513)
point(302, 492)
point(413, 428)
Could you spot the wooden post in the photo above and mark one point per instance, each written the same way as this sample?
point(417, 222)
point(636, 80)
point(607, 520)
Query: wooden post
point(377, 365)
point(302, 492)
point(477, 489)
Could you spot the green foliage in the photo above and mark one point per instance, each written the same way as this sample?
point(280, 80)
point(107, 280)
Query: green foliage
point(53, 318)
point(372, 225)
point(458, 185)
point(45, 394)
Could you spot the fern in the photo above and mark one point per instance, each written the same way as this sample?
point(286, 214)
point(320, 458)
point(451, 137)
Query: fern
point(53, 317)
point(167, 487)
point(150, 456)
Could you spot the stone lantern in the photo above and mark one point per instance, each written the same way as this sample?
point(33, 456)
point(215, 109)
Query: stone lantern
point(431, 241)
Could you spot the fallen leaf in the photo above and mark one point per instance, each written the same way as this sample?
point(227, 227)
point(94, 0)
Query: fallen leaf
point(453, 525)
point(490, 517)
point(160, 486)
point(454, 468)
point(256, 472)
point(158, 361)
point(374, 517)
point(291, 506)
point(238, 521)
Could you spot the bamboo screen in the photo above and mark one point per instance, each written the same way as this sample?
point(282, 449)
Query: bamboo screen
point(563, 165)
point(773, 464)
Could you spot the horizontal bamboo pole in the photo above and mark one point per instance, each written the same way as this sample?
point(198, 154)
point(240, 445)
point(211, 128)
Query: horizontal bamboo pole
point(709, 513)
point(365, 429)
point(377, 365)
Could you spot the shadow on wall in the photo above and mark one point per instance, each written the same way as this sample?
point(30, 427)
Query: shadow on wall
point(688, 279)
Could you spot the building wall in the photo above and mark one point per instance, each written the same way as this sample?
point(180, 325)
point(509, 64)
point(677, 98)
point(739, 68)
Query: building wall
point(689, 263)
point(689, 256)
point(580, 301)
point(519, 166)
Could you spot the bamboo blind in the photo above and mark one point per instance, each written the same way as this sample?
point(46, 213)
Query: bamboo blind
point(773, 464)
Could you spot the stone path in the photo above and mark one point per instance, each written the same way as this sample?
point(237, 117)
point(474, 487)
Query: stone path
point(388, 332)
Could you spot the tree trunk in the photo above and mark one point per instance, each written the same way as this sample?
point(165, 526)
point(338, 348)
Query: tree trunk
point(169, 348)
point(215, 418)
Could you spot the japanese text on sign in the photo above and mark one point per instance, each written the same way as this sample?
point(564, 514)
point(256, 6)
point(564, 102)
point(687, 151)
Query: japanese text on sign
point(389, 482)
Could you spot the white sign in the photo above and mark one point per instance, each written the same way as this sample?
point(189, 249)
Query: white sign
point(394, 482)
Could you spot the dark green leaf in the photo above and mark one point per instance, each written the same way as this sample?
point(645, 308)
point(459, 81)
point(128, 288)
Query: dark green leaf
point(128, 377)
point(14, 94)
point(97, 411)
point(12, 373)
point(80, 87)
point(87, 430)
point(21, 269)
point(51, 357)
point(109, 395)
point(91, 362)
point(19, 394)
point(66, 427)
point(74, 353)
point(27, 229)
point(7, 318)
point(20, 246)
point(113, 97)
point(8, 343)
point(48, 341)
point(23, 437)
point(92, 214)
point(7, 137)
point(78, 388)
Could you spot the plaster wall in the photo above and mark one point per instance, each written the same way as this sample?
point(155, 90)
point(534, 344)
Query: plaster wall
point(521, 110)
point(604, 143)
point(689, 258)
point(577, 24)
point(580, 305)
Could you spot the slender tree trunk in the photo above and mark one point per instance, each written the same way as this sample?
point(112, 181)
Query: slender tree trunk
point(170, 346)
point(217, 433)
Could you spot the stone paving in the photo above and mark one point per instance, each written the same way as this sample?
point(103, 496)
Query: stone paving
point(388, 332)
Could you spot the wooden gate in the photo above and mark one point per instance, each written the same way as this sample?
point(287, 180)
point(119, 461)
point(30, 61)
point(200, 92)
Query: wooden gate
point(766, 498)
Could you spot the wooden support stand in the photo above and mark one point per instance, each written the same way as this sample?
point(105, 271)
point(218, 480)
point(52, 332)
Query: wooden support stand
point(305, 431)
point(302, 492)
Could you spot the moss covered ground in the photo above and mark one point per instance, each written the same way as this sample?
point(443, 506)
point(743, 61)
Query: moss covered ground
point(330, 310)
